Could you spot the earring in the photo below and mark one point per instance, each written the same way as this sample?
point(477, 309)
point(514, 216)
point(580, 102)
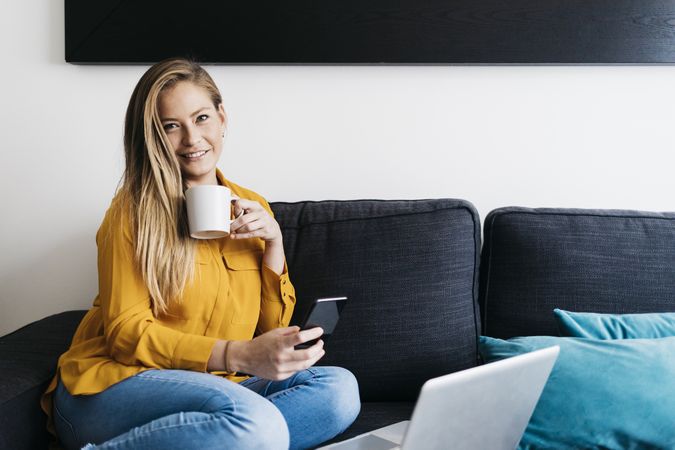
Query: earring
point(223, 134)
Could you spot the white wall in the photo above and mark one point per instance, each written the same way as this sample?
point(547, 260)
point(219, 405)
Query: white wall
point(575, 136)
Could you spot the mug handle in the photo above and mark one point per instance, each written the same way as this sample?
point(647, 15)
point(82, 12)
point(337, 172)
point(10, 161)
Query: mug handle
point(233, 199)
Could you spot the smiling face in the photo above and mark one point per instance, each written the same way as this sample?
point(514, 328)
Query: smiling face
point(195, 129)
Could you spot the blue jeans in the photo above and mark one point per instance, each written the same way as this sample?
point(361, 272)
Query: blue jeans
point(179, 409)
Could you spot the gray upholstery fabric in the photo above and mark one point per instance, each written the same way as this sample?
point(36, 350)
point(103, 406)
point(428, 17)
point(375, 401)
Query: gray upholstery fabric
point(409, 269)
point(606, 261)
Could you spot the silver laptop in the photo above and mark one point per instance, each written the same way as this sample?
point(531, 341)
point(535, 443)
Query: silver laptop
point(485, 407)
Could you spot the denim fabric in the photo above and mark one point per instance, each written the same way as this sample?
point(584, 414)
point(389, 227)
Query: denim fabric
point(409, 268)
point(178, 409)
point(605, 261)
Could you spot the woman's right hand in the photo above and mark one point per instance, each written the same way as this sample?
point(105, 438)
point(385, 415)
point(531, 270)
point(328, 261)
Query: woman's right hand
point(273, 356)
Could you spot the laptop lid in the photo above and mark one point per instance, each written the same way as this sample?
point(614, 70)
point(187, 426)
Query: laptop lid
point(485, 407)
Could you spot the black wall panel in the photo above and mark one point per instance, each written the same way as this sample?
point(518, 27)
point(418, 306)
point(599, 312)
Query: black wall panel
point(372, 31)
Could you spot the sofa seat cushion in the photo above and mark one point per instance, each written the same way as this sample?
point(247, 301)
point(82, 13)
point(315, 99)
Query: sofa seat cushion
point(409, 269)
point(605, 261)
point(27, 362)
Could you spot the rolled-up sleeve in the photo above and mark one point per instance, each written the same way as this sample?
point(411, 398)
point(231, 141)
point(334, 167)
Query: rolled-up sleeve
point(133, 336)
point(278, 300)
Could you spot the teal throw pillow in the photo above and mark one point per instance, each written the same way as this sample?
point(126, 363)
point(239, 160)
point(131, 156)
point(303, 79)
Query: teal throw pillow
point(615, 326)
point(617, 394)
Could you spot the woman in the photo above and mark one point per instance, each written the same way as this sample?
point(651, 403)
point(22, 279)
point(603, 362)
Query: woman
point(158, 361)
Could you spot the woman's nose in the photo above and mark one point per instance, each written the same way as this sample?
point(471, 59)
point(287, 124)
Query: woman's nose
point(191, 136)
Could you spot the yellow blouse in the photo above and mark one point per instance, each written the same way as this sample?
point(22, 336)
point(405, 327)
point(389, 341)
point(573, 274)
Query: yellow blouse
point(233, 296)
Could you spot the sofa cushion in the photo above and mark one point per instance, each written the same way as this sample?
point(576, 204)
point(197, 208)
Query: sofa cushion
point(615, 326)
point(27, 363)
point(535, 260)
point(612, 395)
point(409, 270)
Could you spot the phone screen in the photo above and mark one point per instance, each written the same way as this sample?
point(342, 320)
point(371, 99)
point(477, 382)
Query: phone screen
point(324, 313)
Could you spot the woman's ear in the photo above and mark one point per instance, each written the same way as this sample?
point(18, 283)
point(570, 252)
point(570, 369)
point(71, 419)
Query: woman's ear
point(223, 116)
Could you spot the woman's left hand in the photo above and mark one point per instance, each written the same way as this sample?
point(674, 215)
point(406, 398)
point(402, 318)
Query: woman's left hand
point(255, 222)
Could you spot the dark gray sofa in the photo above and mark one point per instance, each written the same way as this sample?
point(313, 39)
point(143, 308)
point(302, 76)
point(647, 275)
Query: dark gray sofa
point(411, 270)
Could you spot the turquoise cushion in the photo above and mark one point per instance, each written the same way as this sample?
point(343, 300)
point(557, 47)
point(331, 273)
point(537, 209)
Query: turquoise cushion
point(615, 326)
point(617, 394)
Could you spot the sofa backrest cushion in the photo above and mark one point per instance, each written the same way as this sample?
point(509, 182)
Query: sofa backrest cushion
point(409, 269)
point(605, 261)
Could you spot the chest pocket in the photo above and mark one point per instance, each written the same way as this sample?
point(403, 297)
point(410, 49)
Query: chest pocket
point(244, 271)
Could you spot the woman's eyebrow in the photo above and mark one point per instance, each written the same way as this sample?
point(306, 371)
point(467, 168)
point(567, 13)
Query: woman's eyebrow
point(164, 119)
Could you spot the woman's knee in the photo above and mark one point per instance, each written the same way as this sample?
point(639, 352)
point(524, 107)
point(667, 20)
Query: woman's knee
point(257, 424)
point(268, 428)
point(343, 400)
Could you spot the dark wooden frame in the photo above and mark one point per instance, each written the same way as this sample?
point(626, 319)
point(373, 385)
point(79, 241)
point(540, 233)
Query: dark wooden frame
point(372, 31)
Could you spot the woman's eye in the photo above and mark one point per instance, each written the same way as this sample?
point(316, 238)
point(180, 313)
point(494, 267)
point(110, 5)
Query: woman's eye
point(202, 117)
point(169, 126)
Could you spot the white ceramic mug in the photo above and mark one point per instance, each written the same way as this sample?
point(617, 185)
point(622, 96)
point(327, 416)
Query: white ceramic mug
point(209, 209)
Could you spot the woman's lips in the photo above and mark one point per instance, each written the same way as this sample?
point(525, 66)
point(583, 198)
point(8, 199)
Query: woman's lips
point(195, 156)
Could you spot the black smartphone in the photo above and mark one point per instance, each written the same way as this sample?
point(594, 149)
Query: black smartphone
point(323, 313)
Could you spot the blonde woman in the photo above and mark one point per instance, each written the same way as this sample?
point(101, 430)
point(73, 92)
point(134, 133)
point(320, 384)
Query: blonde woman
point(157, 362)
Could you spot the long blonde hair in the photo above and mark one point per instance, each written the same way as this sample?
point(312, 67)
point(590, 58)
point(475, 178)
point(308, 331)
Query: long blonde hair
point(153, 187)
